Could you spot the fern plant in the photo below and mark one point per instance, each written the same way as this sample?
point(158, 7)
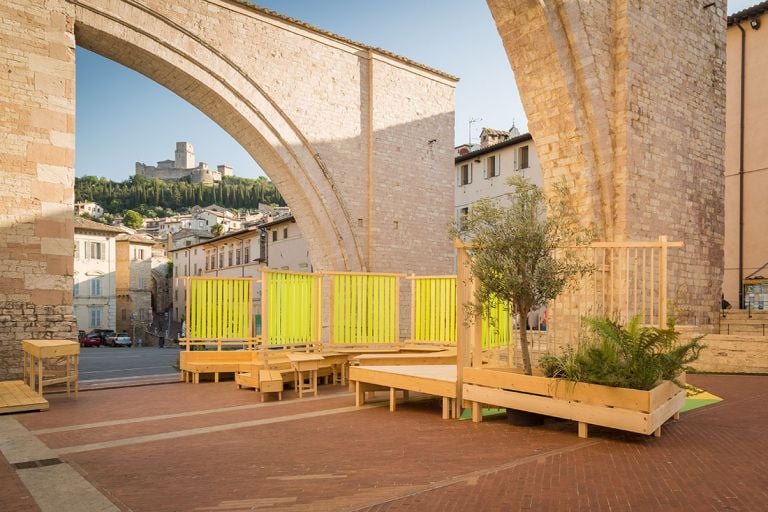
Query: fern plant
point(632, 356)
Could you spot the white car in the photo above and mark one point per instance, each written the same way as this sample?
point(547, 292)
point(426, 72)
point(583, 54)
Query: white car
point(122, 340)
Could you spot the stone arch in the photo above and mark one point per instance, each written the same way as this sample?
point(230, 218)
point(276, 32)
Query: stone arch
point(357, 139)
point(154, 45)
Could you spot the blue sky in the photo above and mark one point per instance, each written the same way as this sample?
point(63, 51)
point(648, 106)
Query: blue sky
point(123, 117)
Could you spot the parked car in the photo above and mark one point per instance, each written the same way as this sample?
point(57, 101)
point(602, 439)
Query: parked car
point(92, 339)
point(109, 339)
point(122, 340)
point(105, 333)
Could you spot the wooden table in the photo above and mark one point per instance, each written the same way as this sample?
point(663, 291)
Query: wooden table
point(303, 362)
point(34, 351)
point(338, 362)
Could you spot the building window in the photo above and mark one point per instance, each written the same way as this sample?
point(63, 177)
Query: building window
point(274, 236)
point(465, 175)
point(229, 259)
point(463, 212)
point(77, 250)
point(186, 270)
point(285, 233)
point(195, 271)
point(138, 254)
point(141, 283)
point(246, 254)
point(141, 315)
point(221, 259)
point(491, 167)
point(76, 289)
point(238, 255)
point(95, 317)
point(213, 261)
point(123, 314)
point(207, 262)
point(96, 287)
point(524, 157)
point(95, 251)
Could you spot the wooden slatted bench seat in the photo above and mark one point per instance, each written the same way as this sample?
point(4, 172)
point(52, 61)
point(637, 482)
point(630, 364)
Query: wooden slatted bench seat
point(197, 362)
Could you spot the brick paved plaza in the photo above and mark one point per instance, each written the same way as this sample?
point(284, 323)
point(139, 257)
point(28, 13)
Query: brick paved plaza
point(212, 447)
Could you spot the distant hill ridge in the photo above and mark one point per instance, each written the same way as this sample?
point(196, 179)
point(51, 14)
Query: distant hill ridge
point(144, 195)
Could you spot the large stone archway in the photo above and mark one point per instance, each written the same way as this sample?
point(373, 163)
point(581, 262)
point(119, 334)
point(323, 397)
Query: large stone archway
point(358, 140)
point(626, 102)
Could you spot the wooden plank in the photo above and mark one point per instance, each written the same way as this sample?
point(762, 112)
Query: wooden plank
point(659, 416)
point(595, 394)
point(16, 396)
point(420, 384)
point(622, 419)
point(405, 359)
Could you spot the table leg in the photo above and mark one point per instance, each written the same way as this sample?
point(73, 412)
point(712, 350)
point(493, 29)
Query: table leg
point(40, 374)
point(392, 400)
point(313, 376)
point(77, 374)
point(68, 374)
point(359, 396)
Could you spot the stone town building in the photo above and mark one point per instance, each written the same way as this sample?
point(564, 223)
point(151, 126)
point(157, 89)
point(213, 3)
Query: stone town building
point(198, 219)
point(285, 246)
point(278, 244)
point(95, 266)
point(89, 207)
point(481, 171)
point(133, 284)
point(183, 166)
point(746, 158)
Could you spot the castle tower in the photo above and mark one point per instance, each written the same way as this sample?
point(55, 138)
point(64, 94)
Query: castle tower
point(185, 155)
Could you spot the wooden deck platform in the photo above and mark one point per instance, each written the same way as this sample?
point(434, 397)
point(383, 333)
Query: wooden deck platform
point(438, 380)
point(15, 396)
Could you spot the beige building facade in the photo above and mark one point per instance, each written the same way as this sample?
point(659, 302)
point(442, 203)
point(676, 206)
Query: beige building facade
point(134, 284)
point(481, 171)
point(746, 159)
point(95, 275)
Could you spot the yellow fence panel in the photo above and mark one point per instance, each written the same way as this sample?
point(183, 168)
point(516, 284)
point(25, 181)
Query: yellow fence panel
point(497, 326)
point(220, 309)
point(365, 309)
point(434, 309)
point(293, 308)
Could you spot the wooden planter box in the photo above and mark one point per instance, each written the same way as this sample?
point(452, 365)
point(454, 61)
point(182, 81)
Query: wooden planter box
point(632, 410)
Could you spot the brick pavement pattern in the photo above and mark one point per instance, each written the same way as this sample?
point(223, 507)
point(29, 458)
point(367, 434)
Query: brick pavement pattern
point(336, 459)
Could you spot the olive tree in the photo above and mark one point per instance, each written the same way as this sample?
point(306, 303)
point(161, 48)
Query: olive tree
point(523, 251)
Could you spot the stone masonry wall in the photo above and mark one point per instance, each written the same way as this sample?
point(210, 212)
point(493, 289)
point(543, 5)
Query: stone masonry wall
point(625, 101)
point(37, 99)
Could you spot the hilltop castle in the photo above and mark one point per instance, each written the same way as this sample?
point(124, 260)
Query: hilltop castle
point(183, 166)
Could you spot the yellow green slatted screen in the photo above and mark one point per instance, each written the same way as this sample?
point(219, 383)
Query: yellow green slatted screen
point(364, 309)
point(434, 309)
point(497, 333)
point(291, 308)
point(220, 309)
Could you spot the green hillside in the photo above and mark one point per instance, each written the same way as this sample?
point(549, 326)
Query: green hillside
point(153, 197)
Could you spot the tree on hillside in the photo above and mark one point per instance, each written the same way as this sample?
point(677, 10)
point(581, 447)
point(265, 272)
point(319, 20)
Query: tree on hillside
point(133, 219)
point(217, 229)
point(513, 251)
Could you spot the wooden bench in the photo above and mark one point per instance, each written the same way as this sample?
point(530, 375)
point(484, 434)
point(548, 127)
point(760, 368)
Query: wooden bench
point(196, 362)
point(248, 374)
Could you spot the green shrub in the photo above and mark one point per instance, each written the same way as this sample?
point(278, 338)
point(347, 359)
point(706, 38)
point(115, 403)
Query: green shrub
point(635, 356)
